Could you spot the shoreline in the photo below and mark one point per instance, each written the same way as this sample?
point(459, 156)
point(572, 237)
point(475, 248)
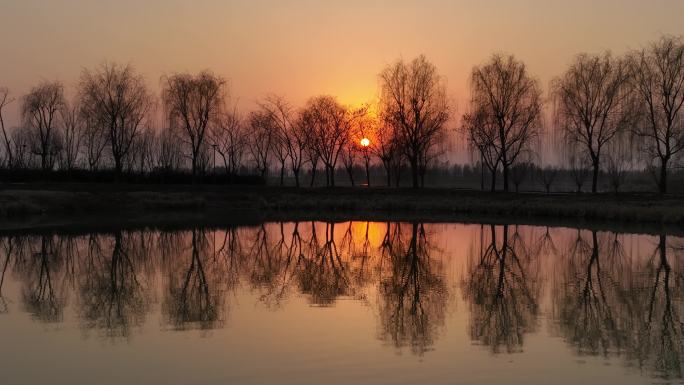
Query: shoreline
point(45, 206)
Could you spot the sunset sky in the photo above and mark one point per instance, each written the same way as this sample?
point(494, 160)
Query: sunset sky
point(303, 48)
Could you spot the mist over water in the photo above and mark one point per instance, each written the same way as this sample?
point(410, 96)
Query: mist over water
point(348, 302)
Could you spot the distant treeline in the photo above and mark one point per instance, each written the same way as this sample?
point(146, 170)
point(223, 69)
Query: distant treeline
point(612, 116)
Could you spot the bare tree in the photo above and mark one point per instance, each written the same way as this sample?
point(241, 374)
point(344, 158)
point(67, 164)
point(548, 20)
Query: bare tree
point(168, 151)
point(577, 164)
point(73, 128)
point(620, 160)
point(115, 100)
point(192, 104)
point(281, 114)
point(330, 123)
point(385, 145)
point(261, 140)
point(40, 112)
point(231, 139)
point(591, 104)
point(510, 100)
point(519, 172)
point(297, 145)
point(482, 134)
point(659, 81)
point(366, 127)
point(5, 99)
point(349, 154)
point(95, 140)
point(21, 139)
point(547, 175)
point(413, 97)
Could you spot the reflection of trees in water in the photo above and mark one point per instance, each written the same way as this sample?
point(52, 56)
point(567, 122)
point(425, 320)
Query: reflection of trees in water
point(273, 263)
point(43, 295)
point(194, 297)
point(608, 302)
point(114, 294)
point(324, 275)
point(502, 287)
point(659, 337)
point(589, 298)
point(7, 252)
point(412, 291)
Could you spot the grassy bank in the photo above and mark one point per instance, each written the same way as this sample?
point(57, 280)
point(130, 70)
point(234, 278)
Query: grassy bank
point(72, 200)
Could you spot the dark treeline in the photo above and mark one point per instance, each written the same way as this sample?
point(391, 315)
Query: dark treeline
point(611, 117)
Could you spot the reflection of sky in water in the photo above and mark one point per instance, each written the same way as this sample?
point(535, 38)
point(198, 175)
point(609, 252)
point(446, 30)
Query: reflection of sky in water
point(342, 303)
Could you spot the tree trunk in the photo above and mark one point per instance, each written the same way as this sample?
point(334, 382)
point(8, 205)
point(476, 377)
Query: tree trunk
point(313, 175)
point(331, 172)
point(388, 171)
point(493, 188)
point(282, 173)
point(505, 177)
point(414, 172)
point(296, 175)
point(594, 178)
point(662, 182)
point(350, 171)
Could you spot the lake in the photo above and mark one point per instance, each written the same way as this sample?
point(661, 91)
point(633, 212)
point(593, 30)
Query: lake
point(342, 303)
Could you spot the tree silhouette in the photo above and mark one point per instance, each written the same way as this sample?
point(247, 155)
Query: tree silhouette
point(502, 289)
point(413, 100)
point(506, 109)
point(413, 294)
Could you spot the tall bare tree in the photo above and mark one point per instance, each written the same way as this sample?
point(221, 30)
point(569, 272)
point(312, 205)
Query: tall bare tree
point(40, 113)
point(114, 99)
point(330, 123)
point(192, 103)
point(168, 151)
point(230, 138)
point(73, 129)
point(5, 99)
point(261, 140)
point(298, 142)
point(281, 115)
point(659, 81)
point(386, 145)
point(413, 97)
point(592, 104)
point(482, 133)
point(510, 100)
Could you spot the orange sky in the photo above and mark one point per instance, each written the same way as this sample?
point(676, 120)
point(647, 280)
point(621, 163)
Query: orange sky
point(302, 48)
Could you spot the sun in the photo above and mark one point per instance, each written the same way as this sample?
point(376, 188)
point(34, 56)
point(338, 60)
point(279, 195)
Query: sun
point(365, 142)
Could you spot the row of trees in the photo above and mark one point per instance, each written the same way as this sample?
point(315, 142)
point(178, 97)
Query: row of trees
point(598, 104)
point(602, 106)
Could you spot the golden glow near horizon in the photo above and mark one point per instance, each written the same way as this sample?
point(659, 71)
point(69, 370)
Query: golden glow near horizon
point(303, 48)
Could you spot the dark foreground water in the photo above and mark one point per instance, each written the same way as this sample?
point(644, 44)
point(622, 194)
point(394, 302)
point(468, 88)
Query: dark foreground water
point(343, 303)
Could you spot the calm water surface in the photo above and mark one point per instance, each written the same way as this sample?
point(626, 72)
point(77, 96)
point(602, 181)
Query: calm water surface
point(342, 303)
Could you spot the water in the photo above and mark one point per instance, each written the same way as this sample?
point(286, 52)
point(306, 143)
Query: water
point(342, 303)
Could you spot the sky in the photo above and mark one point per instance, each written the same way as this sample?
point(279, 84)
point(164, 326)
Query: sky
point(302, 48)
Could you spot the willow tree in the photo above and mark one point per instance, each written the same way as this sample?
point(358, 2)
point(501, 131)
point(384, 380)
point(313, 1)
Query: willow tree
point(414, 100)
point(192, 103)
point(592, 105)
point(510, 101)
point(659, 81)
point(116, 102)
point(40, 113)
